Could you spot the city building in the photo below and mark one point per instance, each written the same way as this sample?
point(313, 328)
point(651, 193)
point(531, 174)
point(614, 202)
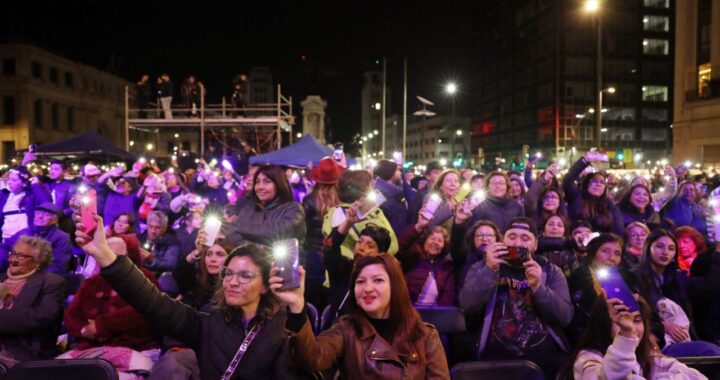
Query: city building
point(535, 80)
point(371, 109)
point(262, 89)
point(46, 98)
point(440, 138)
point(696, 132)
point(313, 112)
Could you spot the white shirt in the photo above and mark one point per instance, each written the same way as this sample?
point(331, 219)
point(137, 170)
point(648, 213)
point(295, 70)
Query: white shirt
point(16, 222)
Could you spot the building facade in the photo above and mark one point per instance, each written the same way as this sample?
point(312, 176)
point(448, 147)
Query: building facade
point(436, 139)
point(46, 98)
point(696, 126)
point(371, 110)
point(535, 78)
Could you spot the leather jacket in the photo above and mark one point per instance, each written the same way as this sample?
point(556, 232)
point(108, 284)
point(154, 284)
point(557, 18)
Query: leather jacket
point(369, 356)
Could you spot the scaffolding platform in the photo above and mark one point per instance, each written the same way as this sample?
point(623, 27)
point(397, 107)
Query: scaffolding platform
point(267, 119)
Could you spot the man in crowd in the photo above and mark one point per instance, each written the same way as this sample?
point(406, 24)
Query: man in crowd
point(389, 183)
point(165, 93)
point(45, 225)
point(161, 246)
point(61, 189)
point(525, 299)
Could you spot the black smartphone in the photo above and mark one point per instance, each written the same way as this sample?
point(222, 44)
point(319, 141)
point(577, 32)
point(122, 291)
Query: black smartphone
point(517, 256)
point(615, 287)
point(287, 259)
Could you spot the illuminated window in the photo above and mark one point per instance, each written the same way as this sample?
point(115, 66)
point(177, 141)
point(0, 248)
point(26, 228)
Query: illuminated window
point(656, 23)
point(655, 94)
point(655, 46)
point(704, 72)
point(657, 3)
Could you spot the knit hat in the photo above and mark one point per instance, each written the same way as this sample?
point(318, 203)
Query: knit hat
point(327, 172)
point(385, 169)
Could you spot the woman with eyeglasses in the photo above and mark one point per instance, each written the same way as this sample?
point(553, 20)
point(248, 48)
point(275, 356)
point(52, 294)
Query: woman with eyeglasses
point(497, 206)
point(382, 337)
point(589, 201)
point(31, 303)
point(246, 312)
point(549, 203)
point(447, 187)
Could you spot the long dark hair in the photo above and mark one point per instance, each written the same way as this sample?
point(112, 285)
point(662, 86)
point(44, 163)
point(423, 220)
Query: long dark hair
point(647, 276)
point(598, 336)
point(404, 322)
point(627, 206)
point(544, 215)
point(277, 175)
point(206, 283)
point(596, 210)
point(260, 256)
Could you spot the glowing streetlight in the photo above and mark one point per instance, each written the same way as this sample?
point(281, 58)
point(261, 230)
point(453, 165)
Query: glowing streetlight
point(149, 146)
point(592, 6)
point(299, 135)
point(451, 88)
point(459, 132)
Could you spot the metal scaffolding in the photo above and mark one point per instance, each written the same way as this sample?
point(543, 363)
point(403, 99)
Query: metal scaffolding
point(266, 121)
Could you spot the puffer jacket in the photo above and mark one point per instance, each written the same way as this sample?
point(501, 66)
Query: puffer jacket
point(215, 336)
point(417, 268)
point(268, 224)
point(368, 355)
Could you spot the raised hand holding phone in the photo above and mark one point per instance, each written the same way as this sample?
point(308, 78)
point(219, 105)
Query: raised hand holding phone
point(286, 254)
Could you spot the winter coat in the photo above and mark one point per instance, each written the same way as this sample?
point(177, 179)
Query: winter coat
point(268, 224)
point(649, 217)
point(58, 239)
point(117, 323)
point(395, 207)
point(338, 268)
point(165, 251)
point(313, 222)
point(29, 330)
point(685, 213)
point(61, 192)
point(215, 336)
point(368, 355)
point(35, 195)
point(417, 269)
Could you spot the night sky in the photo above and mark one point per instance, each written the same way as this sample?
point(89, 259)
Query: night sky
point(217, 40)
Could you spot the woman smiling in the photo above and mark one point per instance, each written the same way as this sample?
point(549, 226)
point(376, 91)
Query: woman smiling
point(382, 338)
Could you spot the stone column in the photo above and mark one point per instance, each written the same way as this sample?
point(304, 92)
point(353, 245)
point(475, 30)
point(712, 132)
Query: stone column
point(314, 117)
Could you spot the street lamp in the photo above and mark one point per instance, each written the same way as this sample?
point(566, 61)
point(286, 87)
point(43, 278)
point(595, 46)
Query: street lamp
point(593, 7)
point(451, 89)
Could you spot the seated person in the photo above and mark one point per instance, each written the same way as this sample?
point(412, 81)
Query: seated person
point(31, 303)
point(617, 345)
point(526, 303)
point(160, 245)
point(372, 240)
point(45, 226)
point(103, 325)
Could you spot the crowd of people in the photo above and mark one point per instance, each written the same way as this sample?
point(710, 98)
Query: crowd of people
point(517, 252)
point(147, 98)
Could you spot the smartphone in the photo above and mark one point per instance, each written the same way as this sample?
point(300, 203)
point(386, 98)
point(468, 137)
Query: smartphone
point(31, 148)
point(286, 254)
point(211, 227)
point(615, 287)
point(88, 209)
point(431, 206)
point(475, 200)
point(338, 153)
point(465, 189)
point(370, 203)
point(517, 256)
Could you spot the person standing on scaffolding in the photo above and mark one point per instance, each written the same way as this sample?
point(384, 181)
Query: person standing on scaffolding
point(240, 95)
point(190, 93)
point(165, 93)
point(143, 92)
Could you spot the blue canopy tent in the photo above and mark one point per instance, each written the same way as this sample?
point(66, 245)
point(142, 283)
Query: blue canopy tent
point(299, 154)
point(86, 145)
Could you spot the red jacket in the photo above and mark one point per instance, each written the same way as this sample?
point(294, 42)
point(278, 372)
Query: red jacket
point(417, 268)
point(118, 324)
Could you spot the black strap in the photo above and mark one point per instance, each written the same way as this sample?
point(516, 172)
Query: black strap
point(15, 212)
point(240, 352)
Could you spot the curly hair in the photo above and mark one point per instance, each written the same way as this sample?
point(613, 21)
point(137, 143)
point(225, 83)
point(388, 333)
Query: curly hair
point(694, 235)
point(42, 250)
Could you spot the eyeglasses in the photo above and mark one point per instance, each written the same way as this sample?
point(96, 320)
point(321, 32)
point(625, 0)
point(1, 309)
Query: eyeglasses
point(485, 236)
point(598, 181)
point(550, 197)
point(20, 255)
point(243, 277)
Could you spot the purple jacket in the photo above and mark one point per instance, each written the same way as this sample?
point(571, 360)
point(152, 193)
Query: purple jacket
point(417, 268)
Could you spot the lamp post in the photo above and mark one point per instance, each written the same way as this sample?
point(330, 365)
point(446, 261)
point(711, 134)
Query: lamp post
point(425, 113)
point(593, 7)
point(598, 115)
